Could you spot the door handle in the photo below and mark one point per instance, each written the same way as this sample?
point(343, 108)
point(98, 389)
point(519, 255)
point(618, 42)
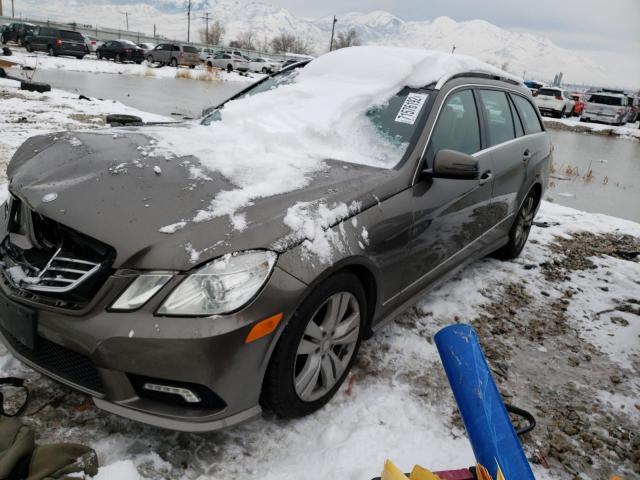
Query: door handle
point(526, 155)
point(486, 176)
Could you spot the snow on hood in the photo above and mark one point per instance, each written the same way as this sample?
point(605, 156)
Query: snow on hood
point(272, 143)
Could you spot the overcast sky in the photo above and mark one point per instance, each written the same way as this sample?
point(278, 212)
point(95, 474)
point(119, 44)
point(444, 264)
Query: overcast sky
point(603, 28)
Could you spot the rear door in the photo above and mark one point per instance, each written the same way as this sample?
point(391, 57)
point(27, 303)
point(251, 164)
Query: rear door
point(510, 151)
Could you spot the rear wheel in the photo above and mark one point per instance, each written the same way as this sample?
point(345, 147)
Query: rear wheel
point(150, 58)
point(29, 48)
point(317, 348)
point(192, 66)
point(519, 232)
point(264, 70)
point(99, 55)
point(229, 68)
point(118, 58)
point(51, 51)
point(174, 62)
point(209, 64)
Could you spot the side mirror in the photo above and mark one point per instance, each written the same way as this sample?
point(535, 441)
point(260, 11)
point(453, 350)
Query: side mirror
point(454, 165)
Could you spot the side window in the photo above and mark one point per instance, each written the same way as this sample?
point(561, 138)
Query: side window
point(528, 115)
point(176, 48)
point(498, 116)
point(457, 127)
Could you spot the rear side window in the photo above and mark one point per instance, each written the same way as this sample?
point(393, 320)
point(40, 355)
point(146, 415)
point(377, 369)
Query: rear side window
point(527, 114)
point(497, 114)
point(69, 35)
point(189, 49)
point(458, 127)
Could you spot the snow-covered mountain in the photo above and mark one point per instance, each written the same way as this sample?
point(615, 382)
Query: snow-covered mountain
point(520, 53)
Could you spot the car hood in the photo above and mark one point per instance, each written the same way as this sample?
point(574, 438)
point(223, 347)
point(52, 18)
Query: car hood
point(101, 185)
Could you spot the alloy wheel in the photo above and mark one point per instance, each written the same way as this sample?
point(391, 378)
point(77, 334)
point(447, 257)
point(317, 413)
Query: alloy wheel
point(524, 221)
point(327, 346)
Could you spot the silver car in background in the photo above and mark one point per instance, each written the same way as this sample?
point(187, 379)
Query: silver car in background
point(605, 107)
point(228, 62)
point(264, 65)
point(174, 54)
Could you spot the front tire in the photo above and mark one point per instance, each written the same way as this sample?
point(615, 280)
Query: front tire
point(118, 58)
point(229, 68)
point(520, 229)
point(317, 348)
point(29, 48)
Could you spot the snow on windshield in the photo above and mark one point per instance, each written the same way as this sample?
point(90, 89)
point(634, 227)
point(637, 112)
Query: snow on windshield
point(272, 143)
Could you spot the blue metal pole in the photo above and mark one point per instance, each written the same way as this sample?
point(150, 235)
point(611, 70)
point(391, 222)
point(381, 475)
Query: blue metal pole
point(491, 433)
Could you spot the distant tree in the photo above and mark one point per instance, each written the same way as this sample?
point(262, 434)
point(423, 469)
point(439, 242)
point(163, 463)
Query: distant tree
point(286, 42)
point(346, 39)
point(216, 32)
point(245, 40)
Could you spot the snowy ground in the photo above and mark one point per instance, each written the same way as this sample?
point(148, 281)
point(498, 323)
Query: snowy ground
point(91, 64)
point(24, 114)
point(560, 327)
point(629, 130)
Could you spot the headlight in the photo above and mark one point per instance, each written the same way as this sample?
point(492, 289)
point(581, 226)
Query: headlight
point(141, 290)
point(221, 286)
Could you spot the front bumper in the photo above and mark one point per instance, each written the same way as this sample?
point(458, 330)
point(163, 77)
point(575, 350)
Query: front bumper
point(104, 354)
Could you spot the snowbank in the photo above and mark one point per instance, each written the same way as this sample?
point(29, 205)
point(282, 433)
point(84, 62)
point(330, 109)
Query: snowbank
point(271, 143)
point(630, 131)
point(91, 64)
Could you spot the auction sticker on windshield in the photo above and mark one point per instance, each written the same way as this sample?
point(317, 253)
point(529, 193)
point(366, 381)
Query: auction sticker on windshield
point(411, 108)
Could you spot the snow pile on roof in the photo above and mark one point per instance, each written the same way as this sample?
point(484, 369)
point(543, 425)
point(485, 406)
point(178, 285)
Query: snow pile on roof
point(273, 142)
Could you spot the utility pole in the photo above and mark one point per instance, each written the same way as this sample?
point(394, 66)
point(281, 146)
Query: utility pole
point(154, 33)
point(333, 29)
point(189, 23)
point(0, 8)
point(206, 20)
point(13, 14)
point(126, 16)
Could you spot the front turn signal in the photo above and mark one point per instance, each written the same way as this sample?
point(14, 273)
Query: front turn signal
point(263, 328)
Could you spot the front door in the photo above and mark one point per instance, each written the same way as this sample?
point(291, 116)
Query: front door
point(450, 215)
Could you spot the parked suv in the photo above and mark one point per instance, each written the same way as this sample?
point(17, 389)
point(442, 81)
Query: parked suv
point(246, 272)
point(174, 54)
point(17, 32)
point(554, 101)
point(120, 51)
point(228, 62)
point(56, 42)
point(605, 107)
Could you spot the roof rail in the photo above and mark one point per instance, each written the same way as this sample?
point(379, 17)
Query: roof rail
point(486, 75)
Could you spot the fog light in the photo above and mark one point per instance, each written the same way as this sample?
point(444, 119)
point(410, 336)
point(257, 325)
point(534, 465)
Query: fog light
point(186, 394)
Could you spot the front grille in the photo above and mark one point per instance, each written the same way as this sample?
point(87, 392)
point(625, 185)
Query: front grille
point(62, 274)
point(61, 361)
